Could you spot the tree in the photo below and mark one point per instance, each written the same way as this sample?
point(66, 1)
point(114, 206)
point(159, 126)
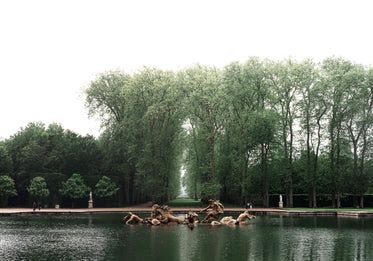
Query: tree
point(287, 78)
point(7, 189)
point(105, 188)
point(335, 73)
point(206, 114)
point(38, 188)
point(27, 148)
point(312, 111)
point(358, 122)
point(157, 104)
point(245, 86)
point(141, 117)
point(6, 163)
point(74, 188)
point(251, 126)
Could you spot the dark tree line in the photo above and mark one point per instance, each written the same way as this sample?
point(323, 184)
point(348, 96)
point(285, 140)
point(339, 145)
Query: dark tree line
point(243, 132)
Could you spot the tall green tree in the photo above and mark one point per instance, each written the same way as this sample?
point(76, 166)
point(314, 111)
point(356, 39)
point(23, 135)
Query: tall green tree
point(358, 122)
point(335, 78)
point(287, 78)
point(108, 97)
point(246, 86)
point(313, 109)
point(207, 109)
point(158, 100)
point(6, 163)
point(141, 117)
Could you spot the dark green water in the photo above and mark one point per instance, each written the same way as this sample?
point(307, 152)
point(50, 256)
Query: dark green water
point(104, 237)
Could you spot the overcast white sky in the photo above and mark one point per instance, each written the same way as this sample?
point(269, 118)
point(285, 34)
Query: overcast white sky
point(50, 50)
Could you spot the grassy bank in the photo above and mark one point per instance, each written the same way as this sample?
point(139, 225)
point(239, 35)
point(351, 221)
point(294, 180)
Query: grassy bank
point(331, 209)
point(185, 202)
point(188, 202)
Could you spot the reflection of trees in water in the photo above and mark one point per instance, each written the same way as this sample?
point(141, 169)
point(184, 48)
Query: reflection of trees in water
point(265, 238)
point(188, 244)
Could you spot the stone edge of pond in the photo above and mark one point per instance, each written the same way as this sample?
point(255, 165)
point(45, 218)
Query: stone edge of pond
point(176, 210)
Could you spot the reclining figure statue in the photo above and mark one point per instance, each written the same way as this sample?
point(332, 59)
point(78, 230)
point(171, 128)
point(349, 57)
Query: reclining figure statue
point(242, 218)
point(133, 219)
point(164, 214)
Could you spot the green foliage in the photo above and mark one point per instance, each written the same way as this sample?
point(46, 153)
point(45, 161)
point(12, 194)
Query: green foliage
point(74, 187)
point(37, 149)
point(209, 191)
point(7, 186)
point(244, 131)
point(38, 188)
point(6, 163)
point(7, 189)
point(142, 117)
point(54, 181)
point(105, 188)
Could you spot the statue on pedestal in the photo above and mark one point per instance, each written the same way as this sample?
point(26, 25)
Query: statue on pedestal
point(90, 201)
point(280, 204)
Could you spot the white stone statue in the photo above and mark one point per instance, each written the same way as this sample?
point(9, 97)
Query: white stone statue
point(90, 201)
point(280, 204)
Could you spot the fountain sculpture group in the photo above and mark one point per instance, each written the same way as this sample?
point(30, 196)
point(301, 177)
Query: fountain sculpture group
point(163, 215)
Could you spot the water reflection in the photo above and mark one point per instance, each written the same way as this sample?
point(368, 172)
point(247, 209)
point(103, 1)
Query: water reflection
point(104, 237)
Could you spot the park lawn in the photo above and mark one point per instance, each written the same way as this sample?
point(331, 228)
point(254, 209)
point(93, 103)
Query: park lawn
point(331, 209)
point(185, 202)
point(188, 202)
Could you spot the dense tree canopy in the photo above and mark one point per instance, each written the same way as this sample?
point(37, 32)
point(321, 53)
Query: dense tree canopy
point(248, 131)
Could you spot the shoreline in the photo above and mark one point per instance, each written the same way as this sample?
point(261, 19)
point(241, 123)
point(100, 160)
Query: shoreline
point(181, 210)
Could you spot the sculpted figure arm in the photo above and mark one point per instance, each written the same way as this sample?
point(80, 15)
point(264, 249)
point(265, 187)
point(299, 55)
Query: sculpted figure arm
point(211, 205)
point(206, 208)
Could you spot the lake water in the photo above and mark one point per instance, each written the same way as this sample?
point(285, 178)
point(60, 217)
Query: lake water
point(105, 237)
